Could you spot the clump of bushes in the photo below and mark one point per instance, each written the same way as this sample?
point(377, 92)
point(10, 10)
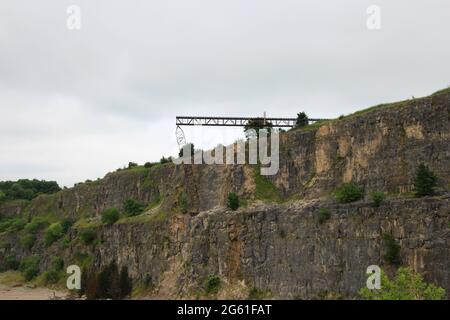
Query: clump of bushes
point(348, 192)
point(233, 201)
point(132, 165)
point(109, 283)
point(407, 285)
point(165, 160)
point(148, 165)
point(27, 240)
point(54, 274)
point(377, 198)
point(26, 189)
point(133, 208)
point(66, 224)
point(425, 181)
point(212, 284)
point(53, 233)
point(87, 236)
point(11, 224)
point(29, 267)
point(36, 224)
point(11, 263)
point(323, 215)
point(65, 243)
point(392, 255)
point(110, 216)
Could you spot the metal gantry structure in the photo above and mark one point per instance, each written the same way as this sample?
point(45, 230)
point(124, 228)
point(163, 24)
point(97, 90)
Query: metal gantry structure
point(236, 121)
point(231, 122)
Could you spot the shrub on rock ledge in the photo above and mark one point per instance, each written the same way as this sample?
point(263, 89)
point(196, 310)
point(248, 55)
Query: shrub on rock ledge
point(110, 216)
point(233, 201)
point(348, 192)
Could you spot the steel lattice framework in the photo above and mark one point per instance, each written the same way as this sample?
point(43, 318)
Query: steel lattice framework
point(230, 122)
point(236, 121)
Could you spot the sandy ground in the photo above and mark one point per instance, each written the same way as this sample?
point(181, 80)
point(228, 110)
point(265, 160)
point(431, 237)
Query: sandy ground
point(27, 293)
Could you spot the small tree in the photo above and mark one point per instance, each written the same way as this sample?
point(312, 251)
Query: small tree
point(36, 224)
point(377, 198)
point(66, 224)
point(233, 201)
point(392, 247)
point(57, 263)
point(2, 196)
point(125, 283)
point(113, 289)
point(424, 182)
point(110, 216)
point(27, 241)
point(302, 120)
point(164, 160)
point(407, 285)
point(53, 233)
point(88, 236)
point(11, 263)
point(30, 267)
point(348, 192)
point(133, 207)
point(148, 165)
point(212, 284)
point(132, 165)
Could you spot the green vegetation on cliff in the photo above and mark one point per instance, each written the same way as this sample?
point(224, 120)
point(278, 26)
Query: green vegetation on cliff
point(377, 198)
point(265, 190)
point(26, 189)
point(407, 285)
point(348, 192)
point(425, 181)
point(132, 207)
point(392, 247)
point(110, 216)
point(233, 201)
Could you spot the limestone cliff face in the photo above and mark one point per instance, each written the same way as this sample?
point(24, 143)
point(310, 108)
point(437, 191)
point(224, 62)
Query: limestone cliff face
point(379, 149)
point(278, 248)
point(281, 249)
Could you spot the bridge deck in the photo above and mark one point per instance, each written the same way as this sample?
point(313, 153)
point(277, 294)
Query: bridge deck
point(235, 121)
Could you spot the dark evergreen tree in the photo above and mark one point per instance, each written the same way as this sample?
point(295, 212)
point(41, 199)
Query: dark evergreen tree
point(113, 289)
point(233, 201)
point(103, 279)
point(92, 289)
point(125, 283)
point(425, 181)
point(302, 120)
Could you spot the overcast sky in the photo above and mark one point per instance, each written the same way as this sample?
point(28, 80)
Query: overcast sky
point(76, 104)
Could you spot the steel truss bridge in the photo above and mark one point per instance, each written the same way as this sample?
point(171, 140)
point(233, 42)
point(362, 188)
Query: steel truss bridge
point(236, 121)
point(230, 122)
